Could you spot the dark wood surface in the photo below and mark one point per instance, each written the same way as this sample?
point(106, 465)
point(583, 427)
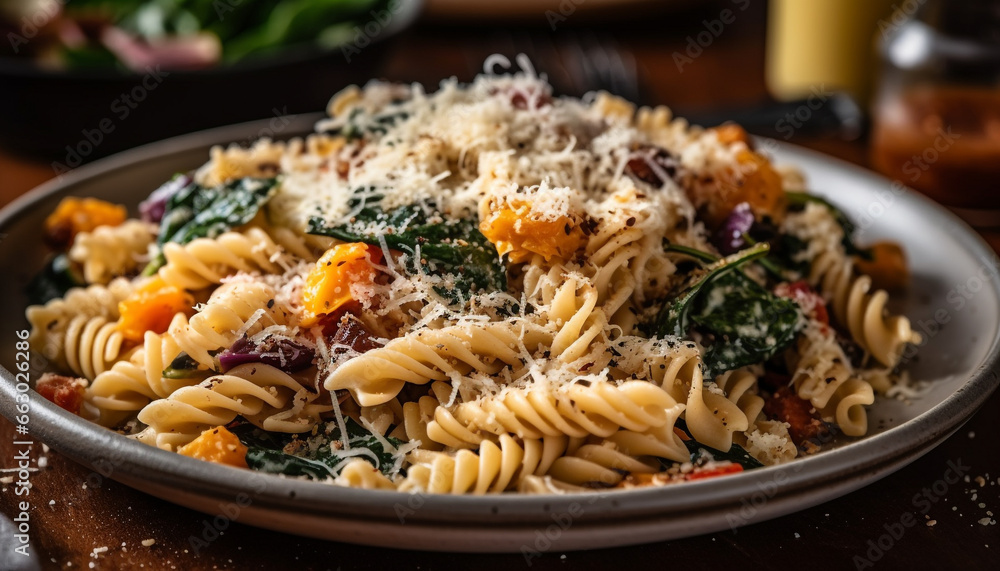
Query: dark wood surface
point(69, 519)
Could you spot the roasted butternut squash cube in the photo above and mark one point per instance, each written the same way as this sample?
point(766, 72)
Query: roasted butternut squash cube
point(328, 284)
point(74, 215)
point(217, 445)
point(519, 235)
point(151, 308)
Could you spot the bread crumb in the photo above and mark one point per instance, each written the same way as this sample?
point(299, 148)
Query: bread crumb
point(148, 542)
point(932, 523)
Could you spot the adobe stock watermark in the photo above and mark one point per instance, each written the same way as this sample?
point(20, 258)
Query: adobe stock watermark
point(698, 43)
point(901, 14)
point(364, 36)
point(120, 110)
point(793, 120)
point(922, 502)
point(563, 11)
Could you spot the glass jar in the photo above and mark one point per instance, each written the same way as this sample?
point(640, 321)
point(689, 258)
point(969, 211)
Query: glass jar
point(936, 115)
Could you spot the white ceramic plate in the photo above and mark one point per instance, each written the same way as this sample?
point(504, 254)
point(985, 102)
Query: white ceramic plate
point(960, 362)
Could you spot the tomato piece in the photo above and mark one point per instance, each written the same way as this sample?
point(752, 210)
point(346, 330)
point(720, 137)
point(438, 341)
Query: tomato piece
point(703, 474)
point(64, 392)
point(808, 299)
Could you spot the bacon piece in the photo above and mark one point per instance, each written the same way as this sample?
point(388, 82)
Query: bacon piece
point(802, 417)
point(65, 392)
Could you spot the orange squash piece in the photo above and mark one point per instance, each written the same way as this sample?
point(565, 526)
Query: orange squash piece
point(514, 232)
point(217, 445)
point(151, 308)
point(754, 181)
point(328, 284)
point(74, 215)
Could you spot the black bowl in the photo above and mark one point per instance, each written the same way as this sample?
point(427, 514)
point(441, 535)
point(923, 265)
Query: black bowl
point(72, 117)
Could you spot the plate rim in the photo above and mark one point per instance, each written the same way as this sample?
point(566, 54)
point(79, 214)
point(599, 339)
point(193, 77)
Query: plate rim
point(73, 436)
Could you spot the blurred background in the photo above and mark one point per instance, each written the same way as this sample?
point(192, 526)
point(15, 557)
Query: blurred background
point(908, 87)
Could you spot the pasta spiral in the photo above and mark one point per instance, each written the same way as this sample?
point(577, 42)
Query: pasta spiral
point(206, 261)
point(824, 377)
point(433, 355)
point(131, 384)
point(235, 309)
point(496, 468)
point(864, 313)
point(577, 410)
point(110, 251)
point(79, 332)
point(262, 394)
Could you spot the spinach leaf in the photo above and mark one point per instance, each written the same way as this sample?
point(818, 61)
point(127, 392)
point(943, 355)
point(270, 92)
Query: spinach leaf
point(54, 280)
point(737, 454)
point(200, 212)
point(749, 323)
point(184, 367)
point(800, 199)
point(359, 124)
point(447, 247)
point(319, 456)
point(674, 317)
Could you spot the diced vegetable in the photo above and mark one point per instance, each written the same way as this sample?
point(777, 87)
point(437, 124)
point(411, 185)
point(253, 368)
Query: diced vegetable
point(155, 206)
point(730, 133)
point(652, 165)
point(217, 445)
point(887, 266)
point(328, 285)
point(812, 303)
point(730, 237)
point(804, 423)
point(753, 181)
point(519, 235)
point(705, 473)
point(151, 308)
point(74, 215)
point(282, 354)
point(64, 392)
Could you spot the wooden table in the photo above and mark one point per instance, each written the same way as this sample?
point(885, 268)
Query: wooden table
point(71, 520)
